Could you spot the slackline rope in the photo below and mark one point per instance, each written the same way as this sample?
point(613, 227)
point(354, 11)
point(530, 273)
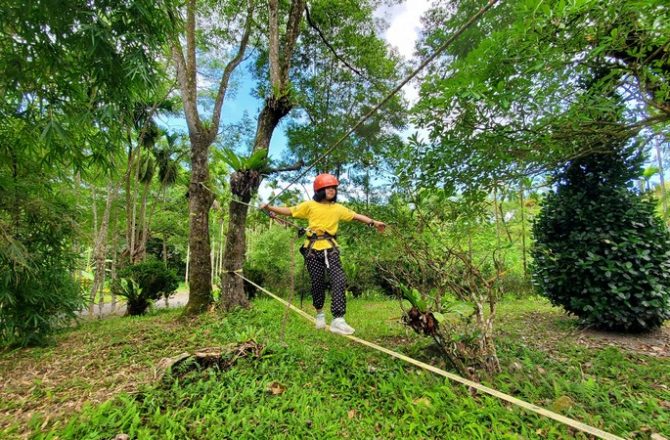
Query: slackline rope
point(576, 424)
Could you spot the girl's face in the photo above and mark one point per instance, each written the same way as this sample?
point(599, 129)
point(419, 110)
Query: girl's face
point(331, 192)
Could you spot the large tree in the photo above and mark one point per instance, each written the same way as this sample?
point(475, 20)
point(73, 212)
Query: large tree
point(332, 74)
point(343, 69)
point(227, 25)
point(278, 102)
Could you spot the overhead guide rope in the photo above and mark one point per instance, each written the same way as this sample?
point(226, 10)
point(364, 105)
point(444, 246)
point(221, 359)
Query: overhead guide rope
point(484, 389)
point(392, 93)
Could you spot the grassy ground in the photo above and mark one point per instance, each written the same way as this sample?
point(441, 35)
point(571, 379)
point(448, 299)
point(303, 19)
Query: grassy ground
point(99, 381)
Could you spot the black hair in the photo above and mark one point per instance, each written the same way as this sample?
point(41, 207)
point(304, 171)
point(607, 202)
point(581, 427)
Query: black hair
point(320, 195)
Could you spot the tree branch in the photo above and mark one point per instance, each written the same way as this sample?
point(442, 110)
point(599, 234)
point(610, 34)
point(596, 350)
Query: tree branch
point(292, 32)
point(186, 77)
point(313, 25)
point(296, 166)
point(273, 16)
point(228, 71)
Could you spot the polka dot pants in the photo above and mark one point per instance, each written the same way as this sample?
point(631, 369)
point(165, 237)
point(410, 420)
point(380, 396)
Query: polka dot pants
point(316, 266)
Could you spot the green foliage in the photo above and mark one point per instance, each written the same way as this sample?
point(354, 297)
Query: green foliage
point(509, 97)
point(600, 251)
point(73, 71)
point(257, 161)
point(369, 394)
point(269, 259)
point(38, 293)
point(143, 283)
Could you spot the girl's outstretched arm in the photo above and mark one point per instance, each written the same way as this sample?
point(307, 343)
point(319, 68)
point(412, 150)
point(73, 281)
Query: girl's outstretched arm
point(276, 209)
point(370, 222)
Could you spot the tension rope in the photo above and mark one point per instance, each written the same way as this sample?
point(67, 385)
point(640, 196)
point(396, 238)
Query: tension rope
point(575, 424)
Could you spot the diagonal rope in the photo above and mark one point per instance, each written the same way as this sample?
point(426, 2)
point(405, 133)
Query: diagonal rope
point(576, 424)
point(411, 76)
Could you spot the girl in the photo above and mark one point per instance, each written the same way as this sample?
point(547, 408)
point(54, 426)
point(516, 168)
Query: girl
point(320, 249)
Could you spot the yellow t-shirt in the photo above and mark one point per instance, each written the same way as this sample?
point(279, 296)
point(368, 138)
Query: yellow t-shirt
point(322, 217)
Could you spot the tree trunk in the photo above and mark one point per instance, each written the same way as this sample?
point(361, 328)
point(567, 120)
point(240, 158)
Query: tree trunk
point(112, 274)
point(101, 247)
point(128, 187)
point(221, 246)
point(133, 209)
point(200, 199)
point(495, 212)
point(141, 243)
point(165, 262)
point(661, 173)
point(101, 298)
point(523, 231)
point(76, 245)
point(188, 258)
point(243, 186)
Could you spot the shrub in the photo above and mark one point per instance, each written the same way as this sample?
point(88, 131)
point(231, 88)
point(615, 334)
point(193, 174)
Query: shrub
point(600, 252)
point(38, 293)
point(143, 283)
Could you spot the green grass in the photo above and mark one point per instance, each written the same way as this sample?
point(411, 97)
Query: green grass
point(333, 387)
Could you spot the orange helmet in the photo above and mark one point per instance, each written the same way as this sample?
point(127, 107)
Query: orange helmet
point(324, 181)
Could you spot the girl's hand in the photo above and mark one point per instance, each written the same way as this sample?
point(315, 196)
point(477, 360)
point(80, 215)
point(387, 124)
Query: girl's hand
point(380, 226)
point(265, 207)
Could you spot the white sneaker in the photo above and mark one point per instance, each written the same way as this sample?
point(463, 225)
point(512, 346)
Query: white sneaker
point(320, 321)
point(340, 327)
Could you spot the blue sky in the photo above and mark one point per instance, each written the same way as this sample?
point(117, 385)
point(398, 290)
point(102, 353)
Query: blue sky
point(403, 29)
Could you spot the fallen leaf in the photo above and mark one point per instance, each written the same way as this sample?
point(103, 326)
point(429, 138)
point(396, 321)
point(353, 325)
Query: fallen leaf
point(351, 414)
point(562, 403)
point(276, 388)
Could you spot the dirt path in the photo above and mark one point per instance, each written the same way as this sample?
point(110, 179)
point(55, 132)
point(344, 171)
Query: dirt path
point(179, 299)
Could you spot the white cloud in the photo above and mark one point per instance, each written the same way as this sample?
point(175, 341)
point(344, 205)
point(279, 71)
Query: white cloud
point(403, 32)
point(404, 25)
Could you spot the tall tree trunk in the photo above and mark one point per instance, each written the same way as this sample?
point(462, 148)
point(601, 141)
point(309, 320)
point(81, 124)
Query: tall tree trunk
point(76, 245)
point(661, 172)
point(523, 231)
point(212, 257)
point(101, 247)
point(243, 186)
point(165, 262)
point(101, 290)
point(188, 258)
point(220, 266)
point(128, 188)
point(133, 209)
point(112, 274)
point(495, 211)
point(141, 246)
point(200, 199)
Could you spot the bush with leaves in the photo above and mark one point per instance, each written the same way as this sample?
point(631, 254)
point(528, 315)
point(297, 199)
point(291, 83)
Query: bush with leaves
point(143, 283)
point(38, 293)
point(600, 251)
point(268, 260)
